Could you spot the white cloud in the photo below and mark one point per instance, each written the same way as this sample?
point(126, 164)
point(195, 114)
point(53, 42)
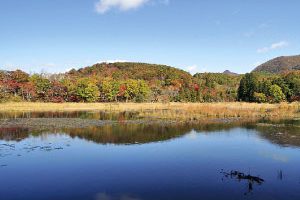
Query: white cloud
point(8, 66)
point(274, 46)
point(193, 69)
point(103, 6)
point(279, 45)
point(112, 61)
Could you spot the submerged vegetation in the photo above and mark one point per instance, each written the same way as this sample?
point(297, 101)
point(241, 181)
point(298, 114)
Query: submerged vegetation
point(139, 82)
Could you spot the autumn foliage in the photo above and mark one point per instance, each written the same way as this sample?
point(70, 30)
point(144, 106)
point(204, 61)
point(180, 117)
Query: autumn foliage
point(140, 82)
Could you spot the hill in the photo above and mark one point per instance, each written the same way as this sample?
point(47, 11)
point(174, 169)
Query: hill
point(167, 82)
point(280, 64)
point(228, 72)
point(130, 70)
point(127, 70)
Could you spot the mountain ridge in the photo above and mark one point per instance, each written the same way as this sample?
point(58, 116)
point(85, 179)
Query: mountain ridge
point(280, 64)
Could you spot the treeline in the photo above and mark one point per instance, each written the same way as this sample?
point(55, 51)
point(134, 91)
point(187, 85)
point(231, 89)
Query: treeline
point(139, 82)
point(19, 86)
point(262, 87)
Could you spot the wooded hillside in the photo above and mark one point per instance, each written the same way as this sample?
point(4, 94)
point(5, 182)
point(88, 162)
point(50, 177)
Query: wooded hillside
point(141, 82)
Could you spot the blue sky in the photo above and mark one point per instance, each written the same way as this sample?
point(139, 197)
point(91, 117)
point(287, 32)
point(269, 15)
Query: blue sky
point(195, 35)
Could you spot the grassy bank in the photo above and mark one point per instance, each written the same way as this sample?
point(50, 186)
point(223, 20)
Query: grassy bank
point(184, 111)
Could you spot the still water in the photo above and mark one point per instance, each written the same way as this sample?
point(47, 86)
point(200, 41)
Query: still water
point(152, 162)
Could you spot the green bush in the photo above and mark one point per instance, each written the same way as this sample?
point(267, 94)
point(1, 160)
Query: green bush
point(260, 97)
point(276, 94)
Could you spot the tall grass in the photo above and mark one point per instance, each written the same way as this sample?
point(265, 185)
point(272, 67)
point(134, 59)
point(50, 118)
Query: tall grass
point(185, 111)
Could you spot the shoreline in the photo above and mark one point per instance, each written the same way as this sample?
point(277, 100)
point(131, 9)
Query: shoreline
point(82, 115)
point(46, 123)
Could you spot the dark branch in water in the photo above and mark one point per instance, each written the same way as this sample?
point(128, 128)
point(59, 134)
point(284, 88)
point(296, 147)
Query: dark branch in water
point(242, 176)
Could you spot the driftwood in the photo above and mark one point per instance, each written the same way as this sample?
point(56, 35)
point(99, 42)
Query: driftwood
point(242, 176)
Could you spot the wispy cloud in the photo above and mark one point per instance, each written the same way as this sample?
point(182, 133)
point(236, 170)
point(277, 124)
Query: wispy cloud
point(103, 6)
point(193, 69)
point(274, 46)
point(112, 61)
point(8, 66)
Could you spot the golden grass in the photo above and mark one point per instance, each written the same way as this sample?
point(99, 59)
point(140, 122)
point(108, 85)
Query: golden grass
point(186, 111)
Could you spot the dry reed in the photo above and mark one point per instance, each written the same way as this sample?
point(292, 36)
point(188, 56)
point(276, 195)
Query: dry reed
point(182, 111)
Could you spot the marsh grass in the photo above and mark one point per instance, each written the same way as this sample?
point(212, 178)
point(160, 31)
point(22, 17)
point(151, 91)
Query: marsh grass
point(180, 111)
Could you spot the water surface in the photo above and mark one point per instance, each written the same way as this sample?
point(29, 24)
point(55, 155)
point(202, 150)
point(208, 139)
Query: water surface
point(152, 162)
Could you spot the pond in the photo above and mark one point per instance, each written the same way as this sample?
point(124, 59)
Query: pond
point(160, 161)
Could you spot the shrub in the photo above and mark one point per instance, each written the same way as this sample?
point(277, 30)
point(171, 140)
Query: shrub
point(276, 94)
point(260, 97)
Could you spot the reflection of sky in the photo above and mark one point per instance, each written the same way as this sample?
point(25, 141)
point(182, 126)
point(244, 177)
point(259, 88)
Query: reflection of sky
point(182, 168)
point(276, 156)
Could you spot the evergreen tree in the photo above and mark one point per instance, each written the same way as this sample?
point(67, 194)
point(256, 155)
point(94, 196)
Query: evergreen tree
point(248, 85)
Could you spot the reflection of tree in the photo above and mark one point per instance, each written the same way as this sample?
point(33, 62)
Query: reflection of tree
point(280, 134)
point(100, 115)
point(13, 133)
point(132, 132)
point(251, 180)
point(125, 133)
point(220, 125)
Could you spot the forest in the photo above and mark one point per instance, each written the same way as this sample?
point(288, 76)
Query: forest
point(140, 82)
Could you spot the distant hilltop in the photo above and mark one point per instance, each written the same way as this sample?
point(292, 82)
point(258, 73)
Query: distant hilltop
point(228, 72)
point(280, 64)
